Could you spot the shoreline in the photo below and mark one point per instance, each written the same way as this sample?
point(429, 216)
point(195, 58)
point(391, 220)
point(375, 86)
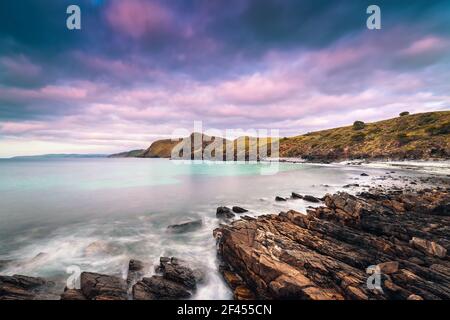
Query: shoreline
point(410, 185)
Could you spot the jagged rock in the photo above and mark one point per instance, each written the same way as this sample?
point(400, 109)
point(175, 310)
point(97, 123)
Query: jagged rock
point(429, 247)
point(177, 271)
point(232, 279)
point(243, 293)
point(159, 288)
point(186, 226)
point(224, 213)
point(96, 286)
point(388, 267)
point(19, 287)
point(237, 209)
point(311, 198)
point(135, 271)
point(73, 294)
point(278, 198)
point(326, 253)
point(296, 196)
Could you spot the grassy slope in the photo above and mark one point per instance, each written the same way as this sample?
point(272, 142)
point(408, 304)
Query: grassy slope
point(418, 136)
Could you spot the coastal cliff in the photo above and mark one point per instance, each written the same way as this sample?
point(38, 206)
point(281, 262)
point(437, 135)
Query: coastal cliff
point(418, 136)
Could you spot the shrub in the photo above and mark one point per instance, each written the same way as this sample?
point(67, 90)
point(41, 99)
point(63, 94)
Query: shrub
point(404, 113)
point(438, 130)
point(427, 118)
point(358, 125)
point(358, 137)
point(402, 138)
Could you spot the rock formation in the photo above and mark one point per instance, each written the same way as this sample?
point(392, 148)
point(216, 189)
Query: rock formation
point(335, 251)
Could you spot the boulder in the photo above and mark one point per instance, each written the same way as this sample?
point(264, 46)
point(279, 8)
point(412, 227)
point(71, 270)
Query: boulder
point(96, 286)
point(135, 271)
point(311, 199)
point(73, 294)
point(237, 209)
point(159, 288)
point(186, 226)
point(428, 247)
point(19, 287)
point(364, 174)
point(296, 196)
point(278, 198)
point(178, 271)
point(388, 267)
point(224, 213)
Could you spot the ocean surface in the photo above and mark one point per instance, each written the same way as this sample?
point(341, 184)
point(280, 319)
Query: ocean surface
point(99, 213)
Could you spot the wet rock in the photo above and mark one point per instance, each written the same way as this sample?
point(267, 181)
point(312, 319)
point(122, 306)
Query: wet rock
point(243, 293)
point(351, 185)
point(73, 294)
point(19, 287)
point(186, 226)
point(325, 253)
point(311, 199)
point(364, 174)
point(96, 286)
point(237, 209)
point(178, 271)
point(278, 198)
point(224, 213)
point(296, 196)
point(135, 271)
point(388, 267)
point(428, 247)
point(159, 288)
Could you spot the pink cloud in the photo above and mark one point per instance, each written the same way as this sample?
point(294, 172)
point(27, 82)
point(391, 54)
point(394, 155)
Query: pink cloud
point(430, 44)
point(137, 18)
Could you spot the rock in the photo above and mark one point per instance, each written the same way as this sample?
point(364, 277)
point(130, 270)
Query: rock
point(237, 209)
point(159, 288)
point(224, 213)
point(19, 287)
point(325, 254)
point(178, 271)
point(73, 294)
point(442, 210)
point(277, 198)
point(351, 185)
point(243, 293)
point(311, 198)
point(428, 247)
point(296, 196)
point(388, 267)
point(135, 271)
point(364, 174)
point(186, 226)
point(414, 297)
point(96, 286)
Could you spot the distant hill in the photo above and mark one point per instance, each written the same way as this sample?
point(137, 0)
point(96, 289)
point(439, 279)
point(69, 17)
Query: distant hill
point(60, 156)
point(128, 154)
point(417, 136)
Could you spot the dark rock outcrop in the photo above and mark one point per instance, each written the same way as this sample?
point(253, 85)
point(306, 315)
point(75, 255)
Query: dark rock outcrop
point(278, 198)
point(311, 199)
point(19, 287)
point(237, 209)
point(224, 213)
point(295, 195)
point(135, 271)
point(96, 286)
point(186, 226)
point(331, 252)
point(177, 281)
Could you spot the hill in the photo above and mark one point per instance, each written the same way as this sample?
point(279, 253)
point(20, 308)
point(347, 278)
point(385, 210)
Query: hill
point(418, 136)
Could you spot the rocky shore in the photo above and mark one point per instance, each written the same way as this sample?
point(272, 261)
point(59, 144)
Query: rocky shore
point(375, 245)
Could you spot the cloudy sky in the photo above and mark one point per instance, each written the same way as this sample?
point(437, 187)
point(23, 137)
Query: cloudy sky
point(139, 69)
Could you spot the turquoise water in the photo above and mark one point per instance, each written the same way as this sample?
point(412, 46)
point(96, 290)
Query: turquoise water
point(99, 213)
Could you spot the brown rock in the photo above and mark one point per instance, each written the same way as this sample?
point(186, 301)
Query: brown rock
point(388, 267)
point(96, 286)
point(428, 247)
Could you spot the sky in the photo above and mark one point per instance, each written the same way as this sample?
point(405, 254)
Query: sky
point(140, 69)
